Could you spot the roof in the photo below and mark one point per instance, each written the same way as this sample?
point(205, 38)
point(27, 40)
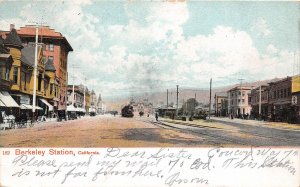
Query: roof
point(3, 49)
point(13, 39)
point(49, 66)
point(46, 33)
point(240, 88)
point(280, 80)
point(27, 56)
point(221, 94)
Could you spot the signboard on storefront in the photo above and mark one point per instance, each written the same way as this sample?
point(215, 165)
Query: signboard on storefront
point(24, 99)
point(296, 84)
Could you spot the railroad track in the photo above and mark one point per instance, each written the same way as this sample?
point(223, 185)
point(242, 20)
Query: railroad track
point(226, 139)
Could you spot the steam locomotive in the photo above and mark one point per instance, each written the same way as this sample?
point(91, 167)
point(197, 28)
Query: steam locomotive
point(127, 111)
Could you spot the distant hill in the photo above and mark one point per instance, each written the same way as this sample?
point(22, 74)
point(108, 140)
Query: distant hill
point(202, 95)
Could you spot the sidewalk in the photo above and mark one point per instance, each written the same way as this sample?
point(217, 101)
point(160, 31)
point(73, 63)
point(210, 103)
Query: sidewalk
point(267, 124)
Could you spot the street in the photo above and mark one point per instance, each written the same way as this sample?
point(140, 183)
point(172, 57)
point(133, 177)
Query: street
point(110, 131)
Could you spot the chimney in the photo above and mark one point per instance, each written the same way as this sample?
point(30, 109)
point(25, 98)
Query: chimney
point(12, 26)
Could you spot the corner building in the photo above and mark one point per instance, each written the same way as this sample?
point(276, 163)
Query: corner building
point(56, 49)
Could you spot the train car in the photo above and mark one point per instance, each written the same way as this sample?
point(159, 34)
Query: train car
point(127, 111)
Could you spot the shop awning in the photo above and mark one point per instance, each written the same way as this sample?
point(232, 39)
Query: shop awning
point(48, 104)
point(7, 100)
point(29, 107)
point(71, 108)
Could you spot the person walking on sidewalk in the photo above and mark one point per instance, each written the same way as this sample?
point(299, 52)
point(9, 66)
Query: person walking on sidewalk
point(156, 116)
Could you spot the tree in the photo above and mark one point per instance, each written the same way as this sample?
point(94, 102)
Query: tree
point(190, 105)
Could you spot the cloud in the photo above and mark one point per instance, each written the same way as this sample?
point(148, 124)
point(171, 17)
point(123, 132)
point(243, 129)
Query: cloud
point(260, 27)
point(151, 52)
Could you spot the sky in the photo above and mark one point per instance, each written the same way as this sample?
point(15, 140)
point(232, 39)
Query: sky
point(124, 48)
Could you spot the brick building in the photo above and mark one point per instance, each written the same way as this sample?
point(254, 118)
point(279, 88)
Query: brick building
point(55, 48)
point(260, 96)
point(220, 104)
point(280, 99)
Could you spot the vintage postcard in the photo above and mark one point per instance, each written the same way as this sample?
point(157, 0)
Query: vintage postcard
point(149, 93)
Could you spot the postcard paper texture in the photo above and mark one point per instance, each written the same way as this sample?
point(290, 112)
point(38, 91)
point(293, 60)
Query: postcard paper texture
point(149, 93)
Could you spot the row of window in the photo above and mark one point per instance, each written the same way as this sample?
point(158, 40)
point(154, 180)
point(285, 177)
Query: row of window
point(48, 47)
point(25, 78)
point(237, 93)
point(238, 101)
point(282, 93)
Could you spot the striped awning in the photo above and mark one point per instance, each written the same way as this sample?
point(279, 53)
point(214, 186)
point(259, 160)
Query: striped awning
point(6, 100)
point(48, 104)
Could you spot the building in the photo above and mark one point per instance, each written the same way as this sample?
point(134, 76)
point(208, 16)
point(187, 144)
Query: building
point(87, 100)
point(143, 105)
point(55, 48)
point(238, 104)
point(220, 104)
point(280, 99)
point(93, 99)
point(296, 98)
point(260, 102)
point(101, 107)
point(6, 62)
point(76, 98)
point(19, 76)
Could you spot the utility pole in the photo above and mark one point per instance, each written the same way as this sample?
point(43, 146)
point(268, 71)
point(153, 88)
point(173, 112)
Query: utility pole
point(73, 92)
point(209, 98)
point(34, 74)
point(167, 98)
point(73, 88)
point(259, 106)
point(35, 69)
point(195, 100)
point(177, 101)
point(85, 79)
point(241, 93)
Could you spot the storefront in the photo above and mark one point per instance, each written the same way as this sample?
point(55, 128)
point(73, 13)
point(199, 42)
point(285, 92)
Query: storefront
point(47, 107)
point(8, 106)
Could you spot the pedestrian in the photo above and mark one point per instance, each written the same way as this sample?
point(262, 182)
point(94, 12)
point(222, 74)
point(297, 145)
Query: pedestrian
point(156, 116)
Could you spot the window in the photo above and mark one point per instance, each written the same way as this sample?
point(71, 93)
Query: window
point(24, 79)
point(239, 93)
point(40, 82)
point(50, 58)
point(6, 74)
point(243, 100)
point(274, 93)
point(239, 100)
point(15, 77)
point(55, 91)
point(284, 93)
point(51, 89)
point(51, 47)
point(289, 91)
